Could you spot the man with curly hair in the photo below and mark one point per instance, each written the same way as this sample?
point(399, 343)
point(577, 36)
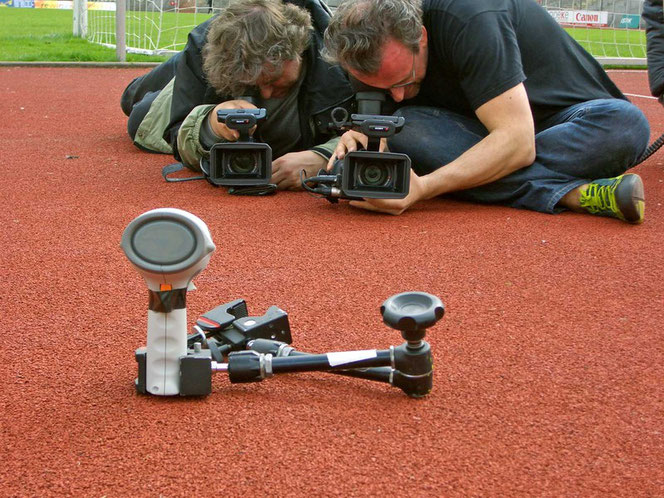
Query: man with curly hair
point(266, 49)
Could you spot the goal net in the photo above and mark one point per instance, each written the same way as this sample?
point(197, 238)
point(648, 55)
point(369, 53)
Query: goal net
point(152, 27)
point(611, 30)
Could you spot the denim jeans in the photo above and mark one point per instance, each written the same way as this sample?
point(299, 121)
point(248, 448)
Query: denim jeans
point(594, 139)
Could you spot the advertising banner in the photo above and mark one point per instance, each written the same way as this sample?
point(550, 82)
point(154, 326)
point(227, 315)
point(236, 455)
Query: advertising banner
point(629, 21)
point(53, 4)
point(110, 6)
point(581, 17)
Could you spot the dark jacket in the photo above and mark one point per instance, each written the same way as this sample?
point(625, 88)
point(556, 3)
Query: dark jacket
point(652, 14)
point(323, 88)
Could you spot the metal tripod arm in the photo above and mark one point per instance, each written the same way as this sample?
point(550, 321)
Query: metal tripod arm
point(281, 349)
point(251, 366)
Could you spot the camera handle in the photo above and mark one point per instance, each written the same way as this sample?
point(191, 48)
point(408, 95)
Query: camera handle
point(241, 120)
point(373, 126)
point(377, 127)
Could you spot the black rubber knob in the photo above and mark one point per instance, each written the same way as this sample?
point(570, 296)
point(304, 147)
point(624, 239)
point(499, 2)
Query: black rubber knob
point(411, 311)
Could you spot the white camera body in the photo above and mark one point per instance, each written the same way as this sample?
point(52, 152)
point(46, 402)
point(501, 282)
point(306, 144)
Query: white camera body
point(168, 247)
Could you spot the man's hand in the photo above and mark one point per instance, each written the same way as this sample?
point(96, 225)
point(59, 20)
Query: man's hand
point(220, 129)
point(349, 143)
point(286, 169)
point(417, 192)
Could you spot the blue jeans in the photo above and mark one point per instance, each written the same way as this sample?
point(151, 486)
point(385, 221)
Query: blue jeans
point(595, 139)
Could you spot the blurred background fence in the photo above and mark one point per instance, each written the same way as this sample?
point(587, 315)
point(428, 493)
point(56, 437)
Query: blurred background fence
point(611, 30)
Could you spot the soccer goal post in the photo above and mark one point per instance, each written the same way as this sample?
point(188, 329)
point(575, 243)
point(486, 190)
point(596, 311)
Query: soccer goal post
point(611, 30)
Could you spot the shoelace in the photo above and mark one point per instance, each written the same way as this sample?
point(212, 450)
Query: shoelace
point(600, 198)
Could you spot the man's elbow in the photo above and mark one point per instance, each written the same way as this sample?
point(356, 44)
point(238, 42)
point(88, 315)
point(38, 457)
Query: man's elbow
point(529, 153)
point(524, 152)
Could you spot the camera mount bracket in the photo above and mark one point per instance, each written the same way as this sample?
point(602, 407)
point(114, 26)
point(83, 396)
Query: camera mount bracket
point(251, 349)
point(408, 366)
point(169, 247)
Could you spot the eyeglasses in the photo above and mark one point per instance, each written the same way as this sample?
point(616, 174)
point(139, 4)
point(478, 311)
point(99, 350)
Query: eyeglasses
point(410, 81)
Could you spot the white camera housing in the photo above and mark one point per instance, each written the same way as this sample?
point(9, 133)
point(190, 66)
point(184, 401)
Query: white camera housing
point(168, 247)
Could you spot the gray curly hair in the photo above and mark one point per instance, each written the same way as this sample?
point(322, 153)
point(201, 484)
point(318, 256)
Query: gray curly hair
point(359, 29)
point(250, 35)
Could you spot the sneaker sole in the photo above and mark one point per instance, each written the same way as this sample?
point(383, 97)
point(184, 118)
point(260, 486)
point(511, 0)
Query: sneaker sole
point(630, 198)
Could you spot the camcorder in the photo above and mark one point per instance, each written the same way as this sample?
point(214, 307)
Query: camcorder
point(369, 173)
point(241, 163)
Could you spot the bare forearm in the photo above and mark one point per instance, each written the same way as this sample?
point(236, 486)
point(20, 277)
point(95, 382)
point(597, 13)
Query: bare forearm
point(494, 157)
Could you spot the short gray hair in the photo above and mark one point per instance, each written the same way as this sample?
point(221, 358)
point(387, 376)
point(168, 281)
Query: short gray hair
point(359, 29)
point(248, 35)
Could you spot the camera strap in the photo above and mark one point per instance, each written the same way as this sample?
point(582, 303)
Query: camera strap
point(268, 189)
point(175, 167)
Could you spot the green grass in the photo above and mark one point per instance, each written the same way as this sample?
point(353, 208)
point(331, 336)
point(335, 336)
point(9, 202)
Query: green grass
point(611, 42)
point(174, 28)
point(46, 35)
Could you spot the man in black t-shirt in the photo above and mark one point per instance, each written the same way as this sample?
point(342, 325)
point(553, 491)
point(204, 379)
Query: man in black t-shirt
point(501, 105)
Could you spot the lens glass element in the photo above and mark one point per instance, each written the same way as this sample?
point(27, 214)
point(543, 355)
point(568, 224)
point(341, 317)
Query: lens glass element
point(371, 174)
point(243, 163)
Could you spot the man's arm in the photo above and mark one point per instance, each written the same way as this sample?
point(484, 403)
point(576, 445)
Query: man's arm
point(201, 130)
point(190, 89)
point(286, 169)
point(190, 148)
point(509, 146)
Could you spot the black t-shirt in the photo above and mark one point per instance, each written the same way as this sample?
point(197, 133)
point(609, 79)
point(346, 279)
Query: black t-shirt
point(479, 49)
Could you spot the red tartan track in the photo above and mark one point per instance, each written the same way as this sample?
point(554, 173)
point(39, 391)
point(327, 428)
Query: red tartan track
point(549, 362)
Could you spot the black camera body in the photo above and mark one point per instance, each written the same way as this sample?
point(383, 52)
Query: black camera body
point(365, 174)
point(370, 173)
point(244, 162)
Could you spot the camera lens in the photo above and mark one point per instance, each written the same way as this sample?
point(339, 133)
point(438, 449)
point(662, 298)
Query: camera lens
point(243, 163)
point(374, 175)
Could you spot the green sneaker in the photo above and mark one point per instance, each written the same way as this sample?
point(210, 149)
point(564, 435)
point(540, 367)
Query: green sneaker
point(621, 197)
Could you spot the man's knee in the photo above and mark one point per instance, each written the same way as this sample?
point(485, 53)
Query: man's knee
point(151, 82)
point(626, 125)
point(127, 100)
point(138, 112)
point(133, 123)
point(433, 137)
point(639, 129)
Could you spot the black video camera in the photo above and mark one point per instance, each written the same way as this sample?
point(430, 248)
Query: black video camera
point(365, 173)
point(244, 162)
